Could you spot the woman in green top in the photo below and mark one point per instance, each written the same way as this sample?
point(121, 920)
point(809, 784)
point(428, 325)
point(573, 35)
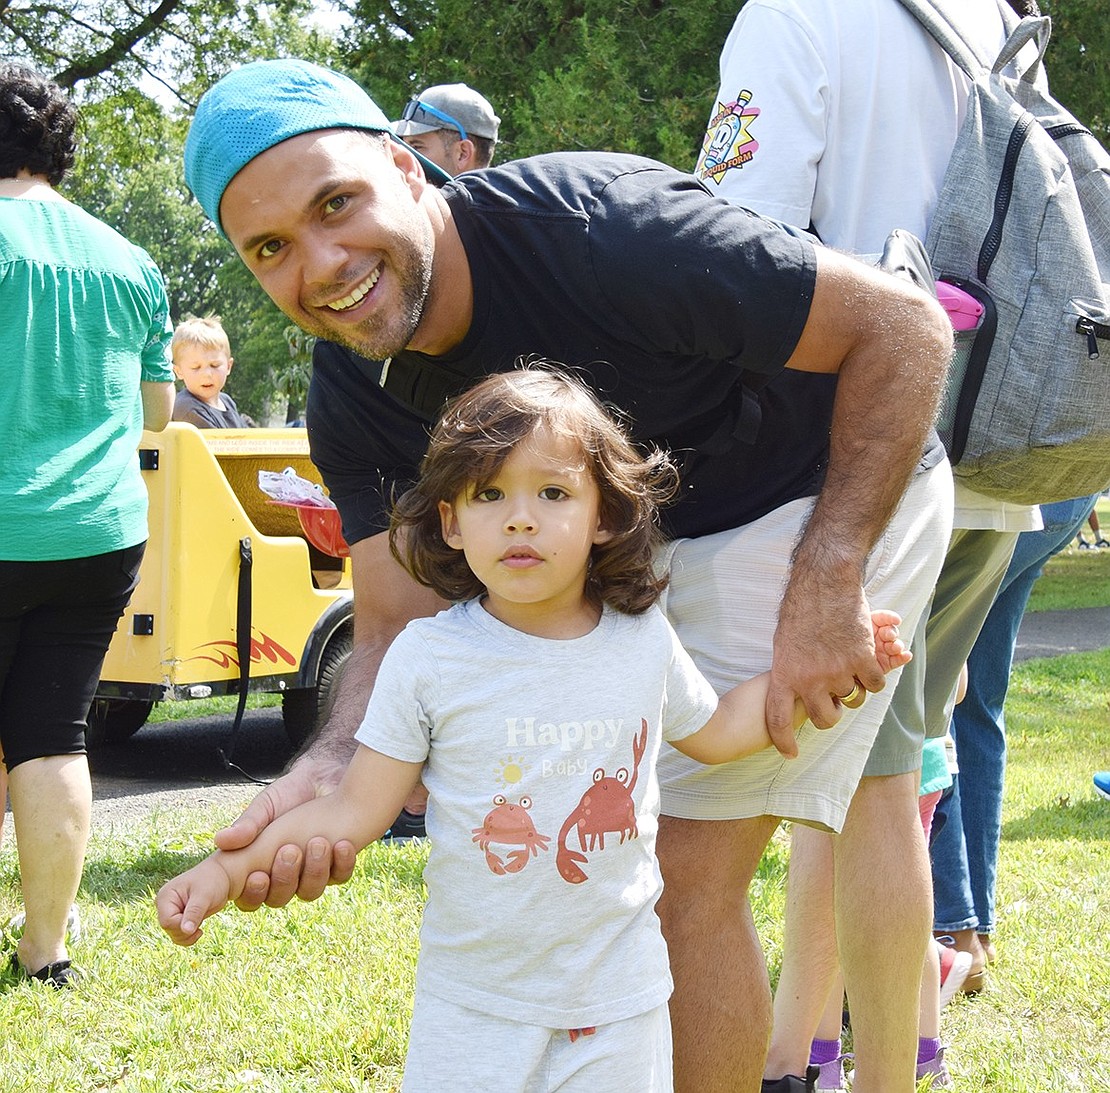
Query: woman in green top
point(83, 367)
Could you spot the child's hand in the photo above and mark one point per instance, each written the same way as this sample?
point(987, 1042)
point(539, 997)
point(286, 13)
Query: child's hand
point(184, 902)
point(890, 651)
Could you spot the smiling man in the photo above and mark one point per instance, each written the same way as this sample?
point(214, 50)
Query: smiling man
point(796, 385)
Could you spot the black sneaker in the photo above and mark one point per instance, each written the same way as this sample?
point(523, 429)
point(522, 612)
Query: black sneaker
point(406, 828)
point(792, 1084)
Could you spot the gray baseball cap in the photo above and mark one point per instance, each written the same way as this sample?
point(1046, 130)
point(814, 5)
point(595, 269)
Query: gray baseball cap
point(451, 106)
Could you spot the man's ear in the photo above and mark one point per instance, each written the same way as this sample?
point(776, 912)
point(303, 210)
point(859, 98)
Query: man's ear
point(410, 167)
point(465, 152)
point(449, 525)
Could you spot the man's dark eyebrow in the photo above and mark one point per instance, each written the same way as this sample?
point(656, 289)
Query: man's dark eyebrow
point(325, 188)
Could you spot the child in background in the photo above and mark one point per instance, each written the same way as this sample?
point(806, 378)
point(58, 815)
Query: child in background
point(534, 709)
point(945, 969)
point(202, 360)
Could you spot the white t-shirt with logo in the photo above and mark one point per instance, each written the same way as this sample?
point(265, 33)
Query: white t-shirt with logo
point(842, 116)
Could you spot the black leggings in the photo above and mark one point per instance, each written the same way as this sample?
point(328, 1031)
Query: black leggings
point(56, 623)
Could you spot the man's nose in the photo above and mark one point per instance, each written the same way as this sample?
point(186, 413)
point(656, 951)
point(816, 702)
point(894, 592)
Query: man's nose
point(324, 262)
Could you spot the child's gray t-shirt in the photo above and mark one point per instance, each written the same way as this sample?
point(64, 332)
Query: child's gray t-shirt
point(540, 764)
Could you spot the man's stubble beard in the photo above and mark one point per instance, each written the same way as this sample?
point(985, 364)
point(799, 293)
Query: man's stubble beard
point(382, 337)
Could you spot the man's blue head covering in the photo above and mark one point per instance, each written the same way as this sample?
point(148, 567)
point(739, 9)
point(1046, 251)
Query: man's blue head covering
point(263, 103)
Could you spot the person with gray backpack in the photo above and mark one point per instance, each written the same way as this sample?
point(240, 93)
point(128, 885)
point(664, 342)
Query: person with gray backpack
point(843, 118)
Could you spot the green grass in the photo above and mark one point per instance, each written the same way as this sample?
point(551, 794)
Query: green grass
point(204, 707)
point(316, 996)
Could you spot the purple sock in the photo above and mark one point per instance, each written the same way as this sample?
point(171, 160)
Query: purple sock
point(823, 1051)
point(926, 1049)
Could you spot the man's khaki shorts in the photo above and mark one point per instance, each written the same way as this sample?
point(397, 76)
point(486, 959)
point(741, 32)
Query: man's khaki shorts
point(723, 601)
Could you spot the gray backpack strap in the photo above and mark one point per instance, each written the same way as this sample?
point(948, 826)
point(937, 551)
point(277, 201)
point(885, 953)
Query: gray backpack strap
point(1030, 29)
point(941, 18)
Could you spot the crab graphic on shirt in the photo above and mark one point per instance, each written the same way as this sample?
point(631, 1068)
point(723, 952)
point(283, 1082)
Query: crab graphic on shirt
point(728, 140)
point(510, 825)
point(607, 807)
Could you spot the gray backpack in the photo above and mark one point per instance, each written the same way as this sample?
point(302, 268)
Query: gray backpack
point(1022, 223)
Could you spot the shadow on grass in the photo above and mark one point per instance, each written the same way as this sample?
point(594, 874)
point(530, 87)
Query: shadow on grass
point(1064, 819)
point(118, 882)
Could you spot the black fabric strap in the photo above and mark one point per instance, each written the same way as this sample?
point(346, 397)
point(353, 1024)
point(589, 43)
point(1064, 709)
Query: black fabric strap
point(243, 652)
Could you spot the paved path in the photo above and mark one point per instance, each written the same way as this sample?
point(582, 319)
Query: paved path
point(1050, 633)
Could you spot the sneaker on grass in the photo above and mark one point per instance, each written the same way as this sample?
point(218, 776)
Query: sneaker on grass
point(789, 1083)
point(934, 1068)
point(954, 966)
point(407, 828)
point(1102, 784)
point(14, 928)
point(832, 1076)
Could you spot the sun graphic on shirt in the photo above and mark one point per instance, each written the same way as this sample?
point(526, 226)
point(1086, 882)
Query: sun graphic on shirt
point(511, 770)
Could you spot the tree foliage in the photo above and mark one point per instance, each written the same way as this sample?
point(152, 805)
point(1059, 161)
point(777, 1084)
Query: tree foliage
point(1078, 61)
point(172, 48)
point(628, 75)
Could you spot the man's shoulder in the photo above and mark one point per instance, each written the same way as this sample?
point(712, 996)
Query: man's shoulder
point(557, 181)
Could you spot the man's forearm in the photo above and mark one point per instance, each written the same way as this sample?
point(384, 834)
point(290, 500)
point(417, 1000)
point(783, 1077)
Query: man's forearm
point(334, 741)
point(886, 401)
point(386, 600)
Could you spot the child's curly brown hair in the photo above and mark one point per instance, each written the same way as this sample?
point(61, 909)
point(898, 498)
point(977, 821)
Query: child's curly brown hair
point(473, 438)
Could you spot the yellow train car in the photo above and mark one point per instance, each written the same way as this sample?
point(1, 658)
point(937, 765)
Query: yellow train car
point(232, 592)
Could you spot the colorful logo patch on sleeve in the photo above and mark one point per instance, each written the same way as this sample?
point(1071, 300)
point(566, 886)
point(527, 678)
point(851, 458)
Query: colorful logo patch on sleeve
point(728, 141)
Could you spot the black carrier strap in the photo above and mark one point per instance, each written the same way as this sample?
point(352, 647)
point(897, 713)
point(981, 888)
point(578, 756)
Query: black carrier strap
point(425, 386)
point(243, 652)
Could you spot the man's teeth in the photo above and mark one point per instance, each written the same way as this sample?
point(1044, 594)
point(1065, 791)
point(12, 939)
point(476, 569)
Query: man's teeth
point(357, 294)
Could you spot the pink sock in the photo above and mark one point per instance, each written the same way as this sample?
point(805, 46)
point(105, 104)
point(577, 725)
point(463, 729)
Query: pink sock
point(823, 1051)
point(927, 1049)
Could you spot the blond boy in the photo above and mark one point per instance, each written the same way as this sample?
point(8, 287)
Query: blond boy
point(202, 360)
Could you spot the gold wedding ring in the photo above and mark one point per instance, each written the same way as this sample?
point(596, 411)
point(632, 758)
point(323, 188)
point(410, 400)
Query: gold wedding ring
point(855, 698)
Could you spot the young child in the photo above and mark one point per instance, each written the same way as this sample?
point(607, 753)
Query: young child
point(202, 360)
point(534, 710)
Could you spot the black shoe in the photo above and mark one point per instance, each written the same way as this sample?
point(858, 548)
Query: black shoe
point(406, 828)
point(62, 973)
point(792, 1084)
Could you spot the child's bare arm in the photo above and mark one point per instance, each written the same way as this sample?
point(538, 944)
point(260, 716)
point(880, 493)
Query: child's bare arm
point(371, 793)
point(738, 727)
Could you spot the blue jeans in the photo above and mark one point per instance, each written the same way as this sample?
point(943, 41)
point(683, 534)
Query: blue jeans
point(965, 851)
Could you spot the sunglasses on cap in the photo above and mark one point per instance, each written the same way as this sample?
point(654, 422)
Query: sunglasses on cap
point(424, 114)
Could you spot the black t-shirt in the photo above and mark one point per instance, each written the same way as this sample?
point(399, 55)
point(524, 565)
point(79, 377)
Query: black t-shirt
point(677, 307)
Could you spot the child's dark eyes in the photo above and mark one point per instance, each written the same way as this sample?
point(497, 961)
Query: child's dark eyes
point(553, 493)
point(490, 493)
